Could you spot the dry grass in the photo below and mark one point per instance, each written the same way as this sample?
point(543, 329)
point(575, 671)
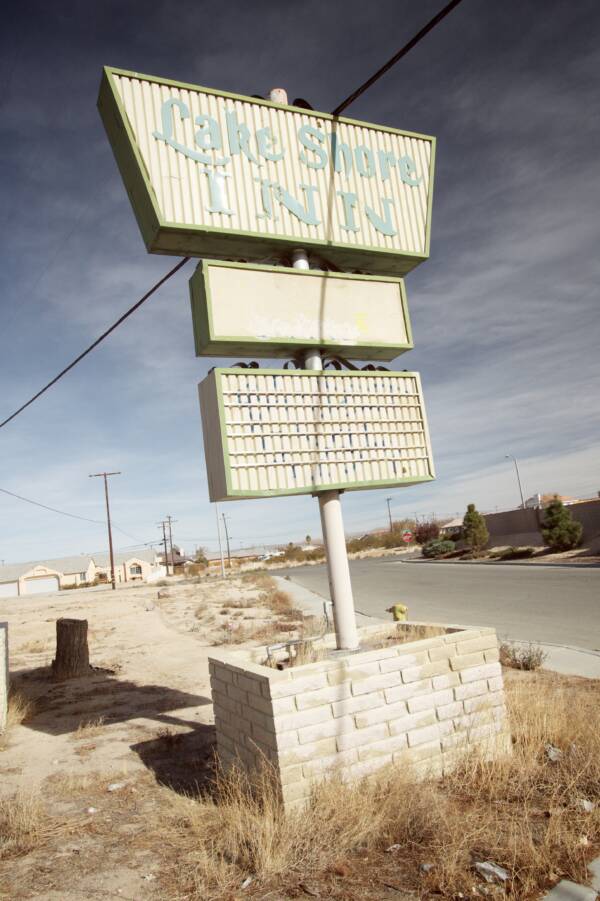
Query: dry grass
point(402, 633)
point(522, 812)
point(20, 708)
point(36, 646)
point(89, 729)
point(259, 580)
point(254, 632)
point(24, 825)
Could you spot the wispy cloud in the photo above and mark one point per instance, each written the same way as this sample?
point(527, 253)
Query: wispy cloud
point(505, 313)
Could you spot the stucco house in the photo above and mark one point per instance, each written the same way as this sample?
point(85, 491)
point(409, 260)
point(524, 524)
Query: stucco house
point(144, 566)
point(43, 576)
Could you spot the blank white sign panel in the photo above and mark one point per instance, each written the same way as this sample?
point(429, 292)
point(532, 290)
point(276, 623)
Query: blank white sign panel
point(278, 432)
point(264, 311)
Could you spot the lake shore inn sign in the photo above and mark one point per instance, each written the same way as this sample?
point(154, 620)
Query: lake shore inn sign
point(306, 224)
point(217, 174)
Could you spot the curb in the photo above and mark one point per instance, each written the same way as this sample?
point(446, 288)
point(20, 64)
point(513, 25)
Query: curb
point(312, 602)
point(505, 563)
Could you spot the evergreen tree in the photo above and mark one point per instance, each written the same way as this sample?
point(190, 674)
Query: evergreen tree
point(474, 530)
point(559, 530)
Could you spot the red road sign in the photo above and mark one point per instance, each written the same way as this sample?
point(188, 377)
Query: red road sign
point(407, 537)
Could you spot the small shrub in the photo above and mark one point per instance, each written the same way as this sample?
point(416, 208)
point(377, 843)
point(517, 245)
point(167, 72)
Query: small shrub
point(528, 657)
point(517, 553)
point(194, 569)
point(426, 532)
point(438, 548)
point(559, 530)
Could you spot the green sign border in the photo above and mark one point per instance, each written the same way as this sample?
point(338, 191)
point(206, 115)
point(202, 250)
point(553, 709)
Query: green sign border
point(237, 494)
point(165, 237)
point(207, 345)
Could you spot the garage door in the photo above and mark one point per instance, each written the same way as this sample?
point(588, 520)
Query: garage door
point(41, 585)
point(9, 589)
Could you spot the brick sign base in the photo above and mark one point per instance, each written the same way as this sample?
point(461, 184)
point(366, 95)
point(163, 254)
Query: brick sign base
point(421, 703)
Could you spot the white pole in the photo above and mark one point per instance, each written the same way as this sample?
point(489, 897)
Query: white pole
point(338, 570)
point(332, 525)
point(220, 542)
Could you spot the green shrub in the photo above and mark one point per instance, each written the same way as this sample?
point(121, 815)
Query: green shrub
point(438, 548)
point(474, 531)
point(559, 530)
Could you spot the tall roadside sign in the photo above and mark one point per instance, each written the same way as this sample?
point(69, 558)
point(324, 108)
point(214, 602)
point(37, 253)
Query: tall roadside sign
point(306, 224)
point(216, 174)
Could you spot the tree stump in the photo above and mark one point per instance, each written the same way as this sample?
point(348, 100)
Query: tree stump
point(72, 653)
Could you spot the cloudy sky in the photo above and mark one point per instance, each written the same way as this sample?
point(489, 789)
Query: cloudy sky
point(504, 314)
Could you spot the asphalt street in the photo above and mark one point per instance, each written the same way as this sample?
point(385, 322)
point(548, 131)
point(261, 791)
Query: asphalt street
point(554, 605)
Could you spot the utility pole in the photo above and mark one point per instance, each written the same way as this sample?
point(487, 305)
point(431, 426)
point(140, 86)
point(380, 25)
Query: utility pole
point(169, 521)
point(227, 540)
point(104, 475)
point(163, 524)
point(220, 543)
point(389, 500)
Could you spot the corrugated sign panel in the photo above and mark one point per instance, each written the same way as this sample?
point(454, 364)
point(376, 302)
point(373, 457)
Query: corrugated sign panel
point(278, 432)
point(266, 311)
point(218, 174)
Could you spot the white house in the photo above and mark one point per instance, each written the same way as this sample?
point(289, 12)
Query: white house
point(143, 566)
point(43, 576)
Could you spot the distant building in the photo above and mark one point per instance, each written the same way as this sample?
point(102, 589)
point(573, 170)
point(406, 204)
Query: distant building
point(43, 576)
point(140, 566)
point(453, 527)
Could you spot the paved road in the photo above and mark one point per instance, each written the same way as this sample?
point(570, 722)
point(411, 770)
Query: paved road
point(558, 605)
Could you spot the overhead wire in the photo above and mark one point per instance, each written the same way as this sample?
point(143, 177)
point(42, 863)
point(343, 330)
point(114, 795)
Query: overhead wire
point(98, 340)
point(100, 522)
point(397, 57)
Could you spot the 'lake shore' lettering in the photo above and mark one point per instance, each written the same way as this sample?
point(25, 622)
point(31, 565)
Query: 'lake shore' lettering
point(317, 150)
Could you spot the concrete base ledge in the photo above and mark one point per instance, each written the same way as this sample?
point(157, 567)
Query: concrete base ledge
point(419, 703)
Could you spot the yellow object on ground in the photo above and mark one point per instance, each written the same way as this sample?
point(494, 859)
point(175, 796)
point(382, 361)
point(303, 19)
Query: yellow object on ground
point(399, 612)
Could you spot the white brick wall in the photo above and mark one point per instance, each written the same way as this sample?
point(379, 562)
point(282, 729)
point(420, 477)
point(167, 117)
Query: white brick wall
point(420, 703)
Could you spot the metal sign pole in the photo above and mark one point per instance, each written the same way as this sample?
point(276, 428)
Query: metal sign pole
point(332, 526)
point(220, 542)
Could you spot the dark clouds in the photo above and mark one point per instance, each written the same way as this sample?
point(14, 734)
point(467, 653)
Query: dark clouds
point(504, 313)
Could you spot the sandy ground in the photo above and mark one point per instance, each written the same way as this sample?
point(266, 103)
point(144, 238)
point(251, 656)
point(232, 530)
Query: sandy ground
point(142, 717)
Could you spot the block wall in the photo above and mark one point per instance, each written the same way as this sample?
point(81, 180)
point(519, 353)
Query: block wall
point(423, 702)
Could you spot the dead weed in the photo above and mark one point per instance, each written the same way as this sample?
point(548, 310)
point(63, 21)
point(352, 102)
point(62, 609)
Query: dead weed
point(523, 812)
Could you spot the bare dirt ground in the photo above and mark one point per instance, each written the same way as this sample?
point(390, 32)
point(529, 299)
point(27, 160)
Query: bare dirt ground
point(141, 719)
point(95, 784)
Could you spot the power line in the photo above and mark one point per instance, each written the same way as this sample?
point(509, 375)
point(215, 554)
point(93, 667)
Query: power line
point(104, 335)
point(398, 56)
point(52, 509)
point(64, 513)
